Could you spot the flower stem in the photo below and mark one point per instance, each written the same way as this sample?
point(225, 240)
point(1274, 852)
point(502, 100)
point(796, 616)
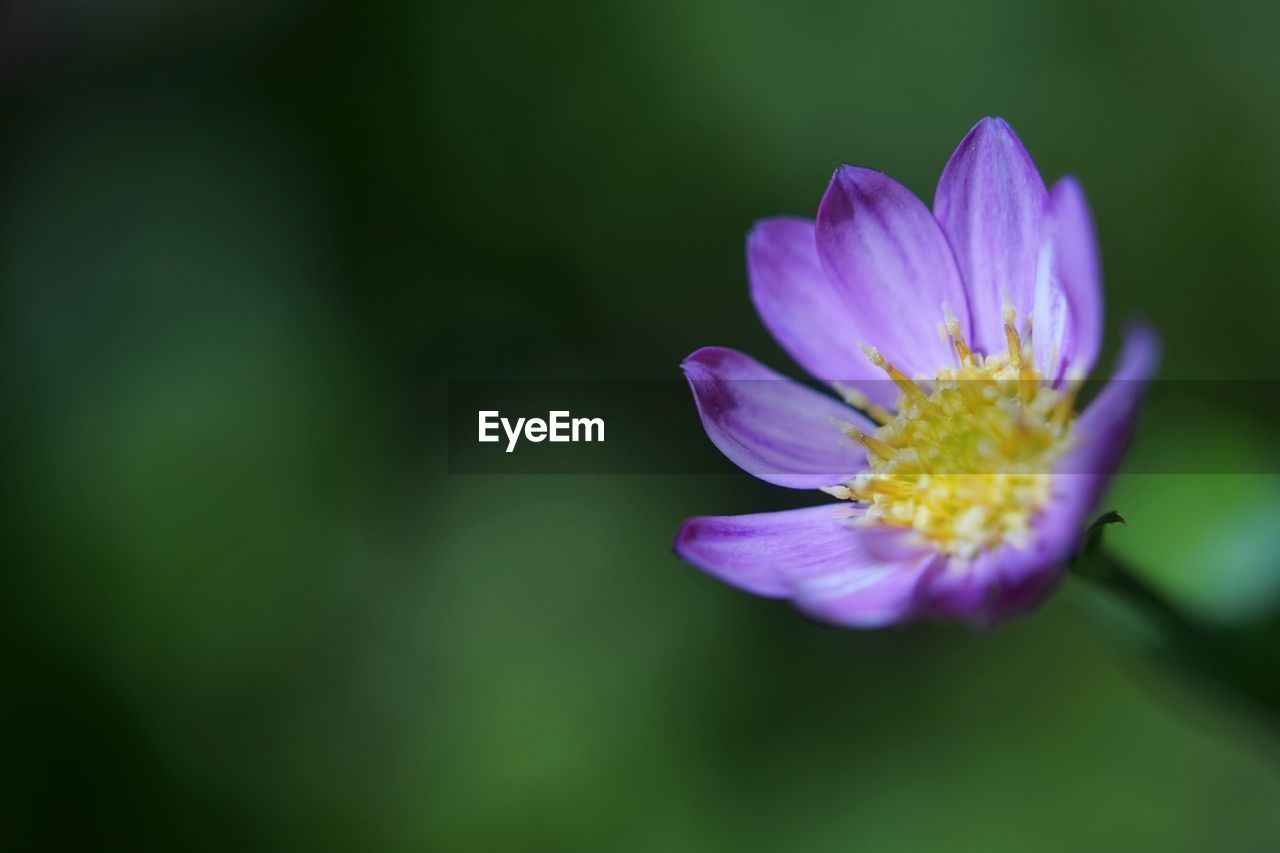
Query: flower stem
point(1237, 661)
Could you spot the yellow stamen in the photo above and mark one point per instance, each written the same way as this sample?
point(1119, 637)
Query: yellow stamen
point(875, 445)
point(863, 403)
point(957, 337)
point(965, 461)
point(1010, 316)
point(904, 382)
point(1063, 408)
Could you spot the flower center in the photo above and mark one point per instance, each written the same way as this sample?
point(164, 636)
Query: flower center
point(965, 460)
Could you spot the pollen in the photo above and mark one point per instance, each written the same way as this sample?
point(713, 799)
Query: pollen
point(965, 459)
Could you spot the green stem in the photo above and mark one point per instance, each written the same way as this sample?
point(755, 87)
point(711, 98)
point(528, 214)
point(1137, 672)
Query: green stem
point(1239, 661)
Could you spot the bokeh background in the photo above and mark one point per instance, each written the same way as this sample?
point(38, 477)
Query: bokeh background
point(243, 245)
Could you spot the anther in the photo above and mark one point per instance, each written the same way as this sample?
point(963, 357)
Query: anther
point(861, 401)
point(1010, 316)
point(908, 386)
point(1062, 409)
point(870, 442)
point(957, 337)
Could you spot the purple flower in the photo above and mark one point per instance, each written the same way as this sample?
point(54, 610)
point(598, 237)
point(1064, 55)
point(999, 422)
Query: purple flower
point(957, 340)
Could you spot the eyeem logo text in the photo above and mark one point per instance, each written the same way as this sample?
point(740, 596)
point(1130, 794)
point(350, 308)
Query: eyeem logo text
point(558, 426)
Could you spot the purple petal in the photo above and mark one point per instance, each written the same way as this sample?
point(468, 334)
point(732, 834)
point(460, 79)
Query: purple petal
point(1068, 304)
point(1023, 577)
point(830, 570)
point(770, 426)
point(990, 201)
point(959, 589)
point(886, 254)
point(1006, 580)
point(1053, 336)
point(815, 320)
point(1019, 577)
point(1104, 428)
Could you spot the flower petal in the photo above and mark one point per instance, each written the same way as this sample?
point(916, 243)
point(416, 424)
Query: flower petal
point(883, 249)
point(959, 589)
point(815, 320)
point(1068, 314)
point(1104, 428)
point(831, 571)
point(1022, 575)
point(990, 200)
point(770, 426)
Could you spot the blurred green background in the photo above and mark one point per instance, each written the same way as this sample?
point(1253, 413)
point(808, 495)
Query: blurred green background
point(244, 244)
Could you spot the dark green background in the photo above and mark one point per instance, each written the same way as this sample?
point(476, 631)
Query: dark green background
point(244, 244)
